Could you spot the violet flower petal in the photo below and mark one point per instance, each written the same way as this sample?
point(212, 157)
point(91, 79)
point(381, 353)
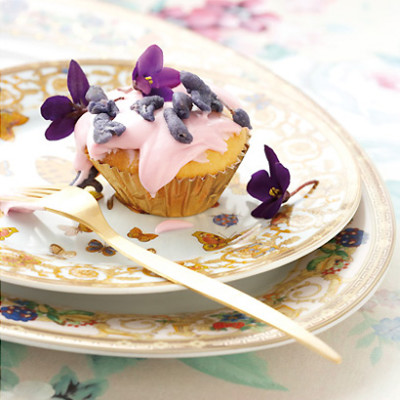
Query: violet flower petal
point(60, 128)
point(259, 185)
point(269, 188)
point(151, 78)
point(271, 156)
point(135, 72)
point(280, 176)
point(56, 107)
point(150, 61)
point(165, 92)
point(267, 209)
point(143, 85)
point(77, 83)
point(166, 77)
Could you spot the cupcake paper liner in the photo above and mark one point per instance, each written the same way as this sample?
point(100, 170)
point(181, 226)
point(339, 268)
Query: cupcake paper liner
point(179, 198)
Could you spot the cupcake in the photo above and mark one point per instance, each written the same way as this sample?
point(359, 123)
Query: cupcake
point(168, 145)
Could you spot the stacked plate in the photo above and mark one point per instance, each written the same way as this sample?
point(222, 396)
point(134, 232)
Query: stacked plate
point(318, 260)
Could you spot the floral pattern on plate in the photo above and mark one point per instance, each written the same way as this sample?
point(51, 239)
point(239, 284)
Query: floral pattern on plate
point(225, 241)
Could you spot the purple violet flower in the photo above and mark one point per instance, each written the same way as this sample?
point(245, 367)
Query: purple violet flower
point(61, 110)
point(270, 188)
point(151, 78)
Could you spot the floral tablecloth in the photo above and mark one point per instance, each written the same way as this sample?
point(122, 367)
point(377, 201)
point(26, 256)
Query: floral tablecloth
point(345, 54)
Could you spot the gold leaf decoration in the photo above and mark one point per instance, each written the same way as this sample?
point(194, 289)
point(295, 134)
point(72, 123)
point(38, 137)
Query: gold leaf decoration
point(8, 120)
point(57, 251)
point(136, 233)
point(7, 232)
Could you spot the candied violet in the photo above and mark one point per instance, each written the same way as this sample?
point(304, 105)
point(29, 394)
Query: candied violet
point(207, 100)
point(108, 107)
point(182, 104)
point(95, 93)
point(105, 128)
point(241, 118)
point(99, 102)
point(216, 105)
point(176, 127)
point(147, 105)
point(201, 94)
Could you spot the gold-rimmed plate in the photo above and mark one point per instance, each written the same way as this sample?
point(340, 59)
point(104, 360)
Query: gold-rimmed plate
point(318, 291)
point(49, 252)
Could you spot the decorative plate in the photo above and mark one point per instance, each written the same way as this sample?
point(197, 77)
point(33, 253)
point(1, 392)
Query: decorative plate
point(317, 291)
point(46, 251)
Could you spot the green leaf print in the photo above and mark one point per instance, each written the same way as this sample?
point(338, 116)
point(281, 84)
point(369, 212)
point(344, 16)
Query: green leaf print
point(312, 265)
point(359, 328)
point(63, 380)
point(67, 386)
point(103, 366)
point(54, 317)
point(326, 251)
point(245, 369)
point(11, 356)
point(90, 389)
point(342, 254)
point(365, 341)
point(8, 379)
point(376, 354)
point(76, 312)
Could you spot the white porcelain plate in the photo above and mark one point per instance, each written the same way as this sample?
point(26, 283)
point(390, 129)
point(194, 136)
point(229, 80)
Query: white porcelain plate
point(317, 291)
point(50, 252)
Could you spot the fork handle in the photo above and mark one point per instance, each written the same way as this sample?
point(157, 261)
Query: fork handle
point(217, 291)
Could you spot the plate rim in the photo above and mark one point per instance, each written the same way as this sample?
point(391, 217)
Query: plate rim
point(340, 135)
point(22, 334)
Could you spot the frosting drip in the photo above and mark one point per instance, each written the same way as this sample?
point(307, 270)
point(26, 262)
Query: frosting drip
point(160, 155)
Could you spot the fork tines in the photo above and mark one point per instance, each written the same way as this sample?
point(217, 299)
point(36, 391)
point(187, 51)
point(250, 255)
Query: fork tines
point(28, 193)
point(38, 192)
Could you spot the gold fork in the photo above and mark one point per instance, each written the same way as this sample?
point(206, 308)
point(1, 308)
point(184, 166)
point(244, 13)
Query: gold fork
point(79, 205)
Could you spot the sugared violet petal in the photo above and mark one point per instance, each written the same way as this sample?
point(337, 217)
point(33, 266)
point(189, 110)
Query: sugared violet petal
point(207, 100)
point(182, 104)
point(99, 103)
point(216, 105)
point(241, 118)
point(95, 93)
point(176, 127)
point(147, 105)
point(103, 106)
point(105, 129)
point(192, 82)
point(201, 94)
point(201, 100)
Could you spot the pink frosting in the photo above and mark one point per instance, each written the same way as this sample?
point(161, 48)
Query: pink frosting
point(172, 225)
point(19, 206)
point(160, 155)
